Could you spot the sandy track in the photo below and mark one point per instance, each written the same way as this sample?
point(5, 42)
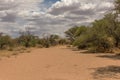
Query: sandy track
point(58, 63)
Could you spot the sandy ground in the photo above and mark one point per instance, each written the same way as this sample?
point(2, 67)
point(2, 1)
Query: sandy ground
point(60, 63)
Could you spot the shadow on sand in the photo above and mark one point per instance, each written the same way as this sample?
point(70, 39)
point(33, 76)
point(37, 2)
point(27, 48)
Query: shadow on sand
point(111, 56)
point(88, 52)
point(112, 72)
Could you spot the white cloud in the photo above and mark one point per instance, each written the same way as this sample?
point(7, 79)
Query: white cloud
point(15, 15)
point(82, 6)
point(81, 11)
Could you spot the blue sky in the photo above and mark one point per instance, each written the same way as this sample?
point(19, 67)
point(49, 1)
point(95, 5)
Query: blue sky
point(50, 1)
point(49, 16)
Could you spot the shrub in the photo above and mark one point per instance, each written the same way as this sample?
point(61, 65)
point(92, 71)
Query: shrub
point(5, 42)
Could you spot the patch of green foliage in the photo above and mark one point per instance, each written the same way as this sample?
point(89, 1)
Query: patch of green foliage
point(101, 36)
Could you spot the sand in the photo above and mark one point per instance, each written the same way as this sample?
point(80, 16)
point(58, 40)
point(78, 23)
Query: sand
point(60, 63)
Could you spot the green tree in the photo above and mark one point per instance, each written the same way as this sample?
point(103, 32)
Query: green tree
point(73, 33)
point(5, 41)
point(27, 39)
point(70, 34)
point(117, 6)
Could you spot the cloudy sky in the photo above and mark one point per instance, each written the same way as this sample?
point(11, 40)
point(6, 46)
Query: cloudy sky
point(49, 16)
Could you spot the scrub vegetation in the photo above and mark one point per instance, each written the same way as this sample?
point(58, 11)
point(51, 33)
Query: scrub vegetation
point(101, 35)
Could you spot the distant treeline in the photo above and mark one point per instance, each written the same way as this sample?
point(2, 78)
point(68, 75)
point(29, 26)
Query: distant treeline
point(101, 36)
point(27, 39)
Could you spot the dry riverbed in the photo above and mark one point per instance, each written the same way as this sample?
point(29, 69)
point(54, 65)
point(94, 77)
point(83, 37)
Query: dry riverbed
point(60, 63)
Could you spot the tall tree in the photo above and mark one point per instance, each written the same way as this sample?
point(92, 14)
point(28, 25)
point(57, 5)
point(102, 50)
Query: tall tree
point(117, 6)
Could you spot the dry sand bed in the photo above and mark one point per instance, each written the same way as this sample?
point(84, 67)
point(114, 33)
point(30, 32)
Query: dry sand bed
point(60, 63)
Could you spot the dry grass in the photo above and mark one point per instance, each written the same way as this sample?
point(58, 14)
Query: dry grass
point(5, 53)
point(14, 51)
